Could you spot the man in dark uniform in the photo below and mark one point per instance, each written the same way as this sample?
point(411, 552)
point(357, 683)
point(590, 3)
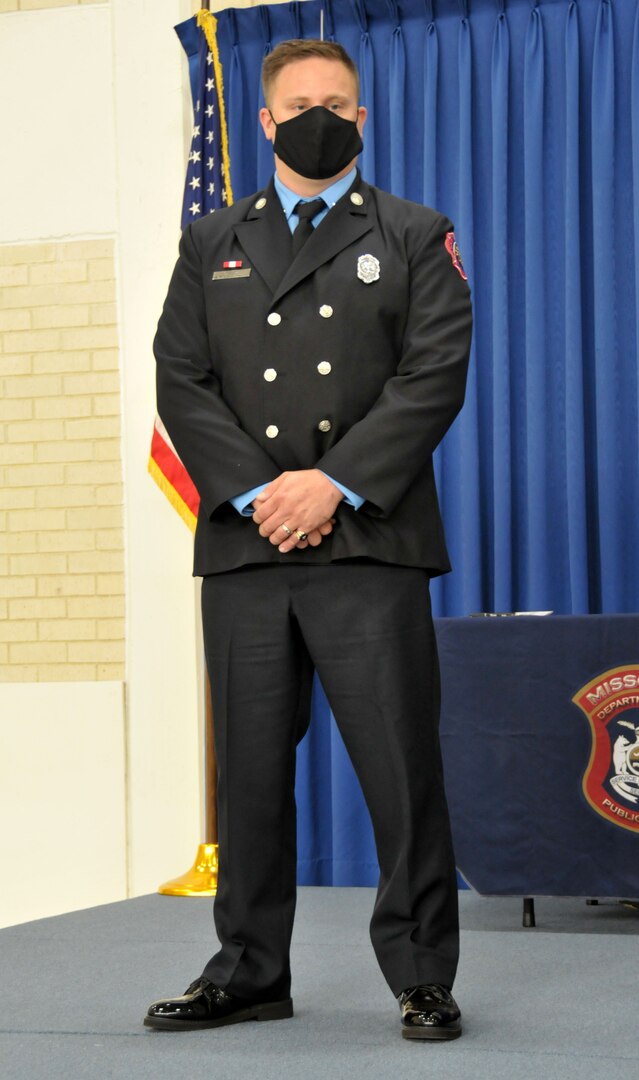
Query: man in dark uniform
point(311, 354)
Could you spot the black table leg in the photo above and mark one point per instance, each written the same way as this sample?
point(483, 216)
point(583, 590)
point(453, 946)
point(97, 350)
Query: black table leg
point(529, 912)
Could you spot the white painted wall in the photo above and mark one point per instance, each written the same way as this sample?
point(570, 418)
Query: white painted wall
point(62, 798)
point(56, 124)
point(96, 137)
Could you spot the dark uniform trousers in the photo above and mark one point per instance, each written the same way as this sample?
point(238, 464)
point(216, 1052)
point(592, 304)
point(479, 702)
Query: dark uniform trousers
point(351, 359)
point(367, 629)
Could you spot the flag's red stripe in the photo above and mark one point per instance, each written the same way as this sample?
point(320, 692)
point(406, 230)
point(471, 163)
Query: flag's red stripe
point(172, 468)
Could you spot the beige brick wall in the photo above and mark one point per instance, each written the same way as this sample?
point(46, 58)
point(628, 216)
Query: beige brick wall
point(61, 543)
point(33, 5)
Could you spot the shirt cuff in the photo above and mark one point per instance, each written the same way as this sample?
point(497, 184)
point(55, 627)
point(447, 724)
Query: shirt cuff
point(244, 503)
point(350, 498)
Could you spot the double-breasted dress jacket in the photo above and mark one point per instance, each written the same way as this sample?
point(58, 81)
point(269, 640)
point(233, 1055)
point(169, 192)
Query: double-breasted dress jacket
point(356, 367)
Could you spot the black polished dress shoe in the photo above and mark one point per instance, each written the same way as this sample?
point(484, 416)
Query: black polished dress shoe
point(429, 1011)
point(205, 1005)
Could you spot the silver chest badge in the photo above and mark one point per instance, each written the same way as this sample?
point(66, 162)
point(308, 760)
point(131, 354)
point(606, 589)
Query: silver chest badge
point(368, 269)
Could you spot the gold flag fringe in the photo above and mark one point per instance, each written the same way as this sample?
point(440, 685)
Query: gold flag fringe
point(177, 502)
point(208, 24)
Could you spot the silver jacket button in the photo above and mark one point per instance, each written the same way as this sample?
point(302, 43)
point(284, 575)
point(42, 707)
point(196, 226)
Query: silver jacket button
point(326, 311)
point(325, 425)
point(270, 374)
point(274, 319)
point(356, 199)
point(272, 431)
point(324, 368)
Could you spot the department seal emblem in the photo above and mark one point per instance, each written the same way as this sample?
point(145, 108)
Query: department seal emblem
point(611, 779)
point(368, 269)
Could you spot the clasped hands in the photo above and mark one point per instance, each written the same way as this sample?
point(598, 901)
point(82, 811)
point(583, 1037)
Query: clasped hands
point(302, 501)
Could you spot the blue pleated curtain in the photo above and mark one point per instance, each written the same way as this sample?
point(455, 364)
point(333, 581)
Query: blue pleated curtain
point(519, 119)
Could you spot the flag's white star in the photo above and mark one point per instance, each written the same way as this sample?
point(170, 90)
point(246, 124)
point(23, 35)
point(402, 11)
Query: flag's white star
point(210, 163)
point(210, 84)
point(211, 189)
point(194, 208)
point(196, 131)
point(194, 182)
point(195, 155)
point(210, 109)
point(197, 105)
point(209, 58)
point(223, 195)
point(209, 136)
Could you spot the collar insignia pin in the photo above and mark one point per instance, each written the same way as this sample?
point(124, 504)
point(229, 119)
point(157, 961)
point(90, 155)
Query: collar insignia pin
point(368, 269)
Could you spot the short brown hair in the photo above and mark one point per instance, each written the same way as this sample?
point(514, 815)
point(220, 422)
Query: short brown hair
point(288, 52)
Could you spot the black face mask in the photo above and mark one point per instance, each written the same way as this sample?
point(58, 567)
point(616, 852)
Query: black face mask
point(317, 144)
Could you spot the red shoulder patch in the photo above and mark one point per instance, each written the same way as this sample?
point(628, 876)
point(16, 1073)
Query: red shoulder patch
point(452, 248)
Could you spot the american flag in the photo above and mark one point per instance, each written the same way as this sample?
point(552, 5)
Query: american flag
point(207, 188)
point(207, 185)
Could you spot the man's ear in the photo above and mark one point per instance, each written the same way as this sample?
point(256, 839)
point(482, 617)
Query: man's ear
point(269, 126)
point(361, 118)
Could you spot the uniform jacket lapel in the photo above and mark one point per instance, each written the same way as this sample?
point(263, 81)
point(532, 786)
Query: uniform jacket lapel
point(265, 237)
point(343, 225)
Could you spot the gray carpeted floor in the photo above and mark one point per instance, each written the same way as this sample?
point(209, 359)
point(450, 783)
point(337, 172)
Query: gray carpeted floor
point(555, 1002)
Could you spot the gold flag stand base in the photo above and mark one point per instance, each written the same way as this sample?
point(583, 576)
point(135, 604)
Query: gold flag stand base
point(200, 880)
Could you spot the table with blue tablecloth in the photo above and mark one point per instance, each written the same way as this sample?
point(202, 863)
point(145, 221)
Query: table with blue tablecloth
point(516, 749)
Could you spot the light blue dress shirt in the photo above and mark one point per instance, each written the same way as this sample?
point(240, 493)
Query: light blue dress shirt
point(289, 200)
